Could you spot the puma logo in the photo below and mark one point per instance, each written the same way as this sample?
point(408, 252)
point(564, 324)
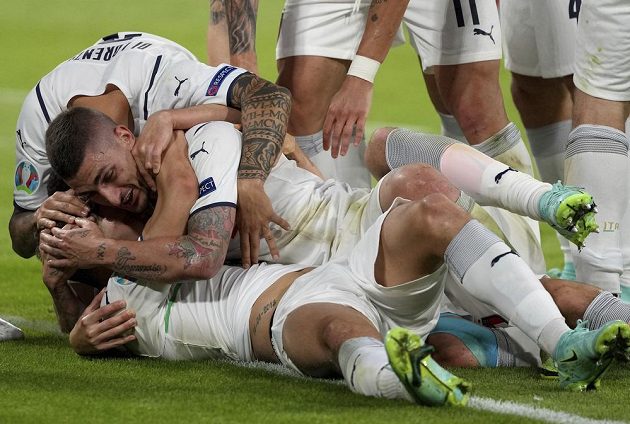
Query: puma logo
point(498, 258)
point(479, 31)
point(195, 153)
point(176, 93)
point(19, 135)
point(498, 177)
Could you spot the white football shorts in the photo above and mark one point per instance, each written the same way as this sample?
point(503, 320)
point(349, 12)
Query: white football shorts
point(441, 32)
point(602, 56)
point(350, 282)
point(539, 36)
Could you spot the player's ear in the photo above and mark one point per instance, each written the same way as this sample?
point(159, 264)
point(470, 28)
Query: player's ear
point(125, 136)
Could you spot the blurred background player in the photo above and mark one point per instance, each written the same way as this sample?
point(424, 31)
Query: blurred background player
point(459, 43)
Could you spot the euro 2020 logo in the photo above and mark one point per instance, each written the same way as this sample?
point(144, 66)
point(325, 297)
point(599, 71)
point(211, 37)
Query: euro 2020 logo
point(26, 177)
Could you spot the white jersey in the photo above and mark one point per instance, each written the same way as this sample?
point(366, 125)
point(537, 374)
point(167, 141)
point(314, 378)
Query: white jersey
point(327, 218)
point(152, 72)
point(196, 319)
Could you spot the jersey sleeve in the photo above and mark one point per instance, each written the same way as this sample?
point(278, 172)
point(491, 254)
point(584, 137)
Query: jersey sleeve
point(214, 150)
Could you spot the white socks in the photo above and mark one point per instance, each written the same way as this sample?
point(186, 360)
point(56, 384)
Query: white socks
point(451, 129)
point(487, 181)
point(366, 369)
point(597, 159)
point(497, 276)
point(348, 169)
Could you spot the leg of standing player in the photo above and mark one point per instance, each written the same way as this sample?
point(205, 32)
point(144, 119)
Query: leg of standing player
point(539, 47)
point(597, 151)
point(460, 60)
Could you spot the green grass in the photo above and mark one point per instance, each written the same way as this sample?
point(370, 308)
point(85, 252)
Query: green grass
point(41, 380)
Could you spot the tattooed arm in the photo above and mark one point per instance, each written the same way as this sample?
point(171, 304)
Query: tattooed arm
point(349, 108)
point(232, 33)
point(196, 255)
point(265, 109)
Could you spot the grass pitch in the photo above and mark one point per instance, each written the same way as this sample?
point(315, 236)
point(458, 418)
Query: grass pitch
point(41, 380)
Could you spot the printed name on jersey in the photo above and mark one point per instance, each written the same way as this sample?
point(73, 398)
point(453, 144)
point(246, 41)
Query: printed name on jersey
point(26, 177)
point(218, 79)
point(105, 54)
point(207, 186)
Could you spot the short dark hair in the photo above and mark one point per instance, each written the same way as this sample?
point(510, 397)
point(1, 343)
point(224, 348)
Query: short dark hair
point(69, 134)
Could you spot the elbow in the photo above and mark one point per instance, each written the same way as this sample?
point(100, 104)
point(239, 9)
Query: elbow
point(206, 268)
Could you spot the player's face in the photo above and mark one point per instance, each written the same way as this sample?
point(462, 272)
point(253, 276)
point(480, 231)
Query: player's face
point(109, 176)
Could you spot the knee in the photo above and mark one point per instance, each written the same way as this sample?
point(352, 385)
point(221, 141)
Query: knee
point(416, 181)
point(437, 219)
point(376, 152)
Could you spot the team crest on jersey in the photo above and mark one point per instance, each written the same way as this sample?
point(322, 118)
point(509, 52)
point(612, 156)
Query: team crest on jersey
point(26, 177)
point(218, 79)
point(207, 186)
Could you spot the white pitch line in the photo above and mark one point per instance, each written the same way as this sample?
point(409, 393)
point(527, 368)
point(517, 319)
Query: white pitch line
point(38, 325)
point(533, 412)
point(483, 404)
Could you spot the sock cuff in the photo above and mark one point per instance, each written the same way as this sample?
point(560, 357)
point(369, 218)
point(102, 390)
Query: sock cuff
point(311, 144)
point(404, 146)
point(501, 142)
point(605, 307)
point(472, 241)
point(597, 139)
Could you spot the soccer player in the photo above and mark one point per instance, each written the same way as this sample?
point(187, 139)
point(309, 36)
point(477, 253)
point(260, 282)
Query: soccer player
point(539, 45)
point(152, 86)
point(330, 70)
point(440, 232)
point(597, 150)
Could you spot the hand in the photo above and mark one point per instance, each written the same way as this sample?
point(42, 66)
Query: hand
point(102, 328)
point(75, 247)
point(152, 141)
point(254, 212)
point(53, 277)
point(62, 206)
point(346, 115)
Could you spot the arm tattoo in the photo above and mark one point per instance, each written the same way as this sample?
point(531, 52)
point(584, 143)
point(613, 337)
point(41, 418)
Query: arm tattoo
point(100, 252)
point(241, 22)
point(125, 266)
point(265, 109)
point(217, 11)
point(209, 233)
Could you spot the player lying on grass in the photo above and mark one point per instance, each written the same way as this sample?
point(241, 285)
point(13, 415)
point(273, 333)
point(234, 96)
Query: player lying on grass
point(152, 86)
point(93, 155)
